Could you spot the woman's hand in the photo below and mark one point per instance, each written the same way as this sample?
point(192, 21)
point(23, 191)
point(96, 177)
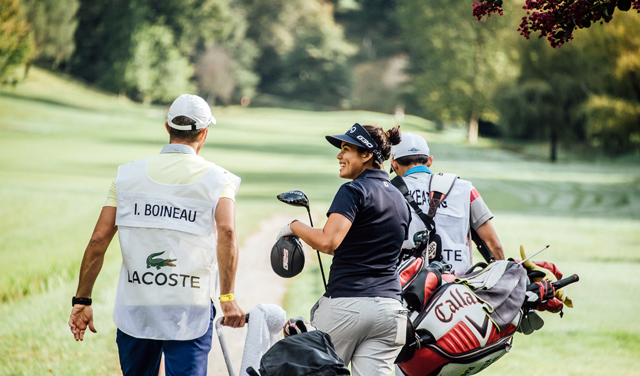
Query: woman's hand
point(286, 231)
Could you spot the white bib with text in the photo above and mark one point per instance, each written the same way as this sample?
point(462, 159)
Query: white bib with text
point(168, 242)
point(452, 219)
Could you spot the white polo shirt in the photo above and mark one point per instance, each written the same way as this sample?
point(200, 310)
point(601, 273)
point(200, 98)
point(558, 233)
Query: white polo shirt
point(176, 164)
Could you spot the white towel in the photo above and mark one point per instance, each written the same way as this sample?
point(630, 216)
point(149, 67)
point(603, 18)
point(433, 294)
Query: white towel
point(265, 323)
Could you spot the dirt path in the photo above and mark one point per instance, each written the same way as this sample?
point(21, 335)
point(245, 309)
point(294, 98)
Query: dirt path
point(255, 283)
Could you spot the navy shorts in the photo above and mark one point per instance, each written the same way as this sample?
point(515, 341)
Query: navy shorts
point(141, 357)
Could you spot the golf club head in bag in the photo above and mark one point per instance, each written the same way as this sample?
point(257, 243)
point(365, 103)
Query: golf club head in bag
point(294, 198)
point(296, 326)
point(287, 257)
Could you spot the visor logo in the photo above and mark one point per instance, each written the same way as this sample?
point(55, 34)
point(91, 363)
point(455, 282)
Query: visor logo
point(365, 141)
point(353, 129)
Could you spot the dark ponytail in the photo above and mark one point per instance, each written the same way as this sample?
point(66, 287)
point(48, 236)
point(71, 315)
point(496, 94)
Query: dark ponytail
point(384, 140)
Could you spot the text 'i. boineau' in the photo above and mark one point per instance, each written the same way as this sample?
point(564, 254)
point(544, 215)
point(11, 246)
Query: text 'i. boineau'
point(166, 211)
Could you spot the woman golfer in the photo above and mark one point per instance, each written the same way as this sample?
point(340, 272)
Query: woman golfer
point(367, 223)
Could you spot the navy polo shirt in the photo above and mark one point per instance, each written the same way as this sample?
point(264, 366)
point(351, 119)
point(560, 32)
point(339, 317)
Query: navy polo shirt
point(364, 264)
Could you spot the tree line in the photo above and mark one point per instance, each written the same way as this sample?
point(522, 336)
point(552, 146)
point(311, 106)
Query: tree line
point(429, 58)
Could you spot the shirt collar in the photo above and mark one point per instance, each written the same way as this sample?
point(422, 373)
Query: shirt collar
point(178, 148)
point(419, 168)
point(371, 173)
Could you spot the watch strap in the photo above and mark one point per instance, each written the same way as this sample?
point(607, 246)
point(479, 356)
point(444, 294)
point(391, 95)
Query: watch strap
point(83, 301)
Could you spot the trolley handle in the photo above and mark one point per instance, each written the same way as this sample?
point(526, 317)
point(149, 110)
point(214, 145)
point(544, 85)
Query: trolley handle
point(223, 344)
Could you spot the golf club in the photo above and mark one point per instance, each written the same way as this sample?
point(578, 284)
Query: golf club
point(523, 261)
point(298, 198)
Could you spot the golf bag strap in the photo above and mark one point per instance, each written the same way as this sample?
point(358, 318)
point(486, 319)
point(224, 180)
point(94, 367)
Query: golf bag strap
point(439, 187)
point(428, 221)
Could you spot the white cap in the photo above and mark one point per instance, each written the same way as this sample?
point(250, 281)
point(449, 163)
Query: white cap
point(411, 144)
point(193, 107)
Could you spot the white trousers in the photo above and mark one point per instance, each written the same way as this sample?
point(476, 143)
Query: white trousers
point(368, 332)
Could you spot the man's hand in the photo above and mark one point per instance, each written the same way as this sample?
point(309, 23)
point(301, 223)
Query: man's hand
point(233, 315)
point(81, 317)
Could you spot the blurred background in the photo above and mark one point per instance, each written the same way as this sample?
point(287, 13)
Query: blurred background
point(427, 58)
point(549, 136)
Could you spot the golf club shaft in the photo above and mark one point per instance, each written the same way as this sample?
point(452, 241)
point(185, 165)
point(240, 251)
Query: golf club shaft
point(324, 280)
point(310, 220)
point(523, 261)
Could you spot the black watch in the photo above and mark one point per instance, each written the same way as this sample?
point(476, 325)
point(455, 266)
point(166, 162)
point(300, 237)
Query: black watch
point(83, 301)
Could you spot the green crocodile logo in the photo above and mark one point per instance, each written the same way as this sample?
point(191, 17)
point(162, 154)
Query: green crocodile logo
point(158, 262)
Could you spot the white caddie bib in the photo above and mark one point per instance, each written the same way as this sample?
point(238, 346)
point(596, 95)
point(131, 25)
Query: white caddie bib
point(452, 219)
point(168, 242)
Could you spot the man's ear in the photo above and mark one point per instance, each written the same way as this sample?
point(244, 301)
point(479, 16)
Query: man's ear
point(205, 134)
point(394, 164)
point(166, 125)
point(430, 161)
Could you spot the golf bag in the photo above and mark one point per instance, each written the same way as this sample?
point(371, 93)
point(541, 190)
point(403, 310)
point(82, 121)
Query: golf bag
point(304, 354)
point(459, 325)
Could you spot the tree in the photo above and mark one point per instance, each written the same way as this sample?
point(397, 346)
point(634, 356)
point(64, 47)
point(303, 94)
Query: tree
point(613, 124)
point(303, 53)
point(543, 109)
point(54, 25)
point(613, 109)
point(371, 24)
point(198, 25)
point(454, 69)
point(544, 102)
point(104, 43)
point(157, 70)
point(584, 94)
point(116, 38)
point(214, 73)
point(557, 19)
point(16, 41)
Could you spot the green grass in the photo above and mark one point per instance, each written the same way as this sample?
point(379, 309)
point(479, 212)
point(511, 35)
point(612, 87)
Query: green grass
point(61, 142)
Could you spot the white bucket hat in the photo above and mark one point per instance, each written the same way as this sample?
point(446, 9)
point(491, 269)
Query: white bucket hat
point(193, 107)
point(411, 144)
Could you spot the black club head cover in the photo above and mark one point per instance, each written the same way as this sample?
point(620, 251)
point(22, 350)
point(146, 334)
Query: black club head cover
point(287, 257)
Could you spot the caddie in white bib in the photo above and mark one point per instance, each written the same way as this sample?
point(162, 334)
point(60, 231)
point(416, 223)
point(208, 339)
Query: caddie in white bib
point(168, 242)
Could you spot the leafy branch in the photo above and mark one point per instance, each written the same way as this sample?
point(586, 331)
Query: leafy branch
point(557, 19)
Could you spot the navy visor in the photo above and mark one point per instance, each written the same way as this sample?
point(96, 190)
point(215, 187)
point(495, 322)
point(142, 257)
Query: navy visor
point(358, 136)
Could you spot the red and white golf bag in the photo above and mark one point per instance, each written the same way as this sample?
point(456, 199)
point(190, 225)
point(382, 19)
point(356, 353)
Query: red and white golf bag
point(459, 325)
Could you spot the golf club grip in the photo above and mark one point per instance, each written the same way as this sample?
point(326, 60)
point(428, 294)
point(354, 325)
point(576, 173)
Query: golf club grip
point(565, 281)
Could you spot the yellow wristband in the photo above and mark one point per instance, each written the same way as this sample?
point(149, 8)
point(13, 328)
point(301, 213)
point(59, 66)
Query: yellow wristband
point(226, 298)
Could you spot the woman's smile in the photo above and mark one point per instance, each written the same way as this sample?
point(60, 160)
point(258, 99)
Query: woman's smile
point(350, 161)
